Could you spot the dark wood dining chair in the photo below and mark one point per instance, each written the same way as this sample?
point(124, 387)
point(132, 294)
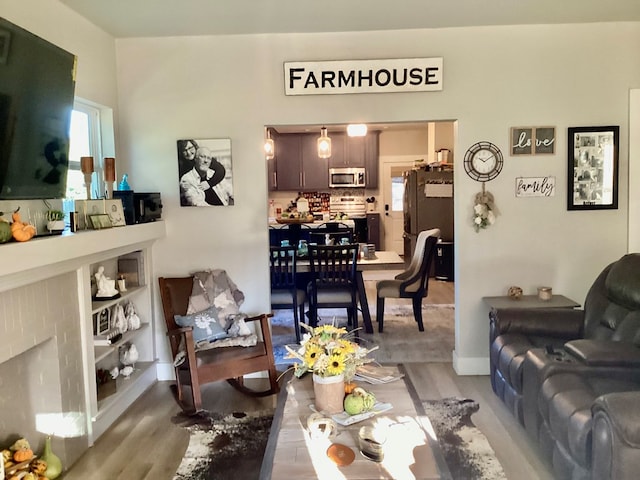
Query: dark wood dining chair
point(284, 292)
point(215, 364)
point(413, 283)
point(333, 280)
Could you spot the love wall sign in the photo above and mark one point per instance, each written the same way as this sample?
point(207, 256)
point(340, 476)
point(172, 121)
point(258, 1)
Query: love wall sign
point(533, 140)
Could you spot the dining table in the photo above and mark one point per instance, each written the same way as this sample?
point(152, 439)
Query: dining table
point(382, 260)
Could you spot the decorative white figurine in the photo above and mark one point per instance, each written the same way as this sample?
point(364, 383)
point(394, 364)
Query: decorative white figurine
point(119, 321)
point(114, 372)
point(106, 286)
point(133, 320)
point(129, 356)
point(126, 371)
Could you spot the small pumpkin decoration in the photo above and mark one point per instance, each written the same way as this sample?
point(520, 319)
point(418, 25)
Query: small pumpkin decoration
point(21, 450)
point(21, 231)
point(5, 229)
point(349, 387)
point(23, 455)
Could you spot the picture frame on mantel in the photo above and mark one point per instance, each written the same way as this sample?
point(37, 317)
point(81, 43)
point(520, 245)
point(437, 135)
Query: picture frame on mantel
point(593, 168)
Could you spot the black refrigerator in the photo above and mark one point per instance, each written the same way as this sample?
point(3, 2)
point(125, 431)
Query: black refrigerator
point(428, 203)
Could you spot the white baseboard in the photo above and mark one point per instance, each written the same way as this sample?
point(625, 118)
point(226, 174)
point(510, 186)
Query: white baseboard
point(470, 365)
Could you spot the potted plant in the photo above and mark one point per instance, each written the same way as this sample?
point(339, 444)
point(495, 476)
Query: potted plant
point(55, 220)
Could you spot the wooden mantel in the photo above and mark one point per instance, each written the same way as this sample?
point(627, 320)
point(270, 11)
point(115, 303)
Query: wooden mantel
point(22, 263)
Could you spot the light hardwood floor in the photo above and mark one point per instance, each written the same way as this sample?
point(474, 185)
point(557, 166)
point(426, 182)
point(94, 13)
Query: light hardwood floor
point(145, 444)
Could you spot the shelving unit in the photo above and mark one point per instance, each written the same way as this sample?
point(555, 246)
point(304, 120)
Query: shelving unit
point(102, 413)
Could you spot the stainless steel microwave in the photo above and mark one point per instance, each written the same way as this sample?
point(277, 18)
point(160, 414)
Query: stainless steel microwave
point(347, 177)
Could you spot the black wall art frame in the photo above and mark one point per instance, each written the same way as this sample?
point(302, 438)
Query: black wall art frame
point(593, 168)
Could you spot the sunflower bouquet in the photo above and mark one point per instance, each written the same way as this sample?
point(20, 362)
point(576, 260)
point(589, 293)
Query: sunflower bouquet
point(328, 350)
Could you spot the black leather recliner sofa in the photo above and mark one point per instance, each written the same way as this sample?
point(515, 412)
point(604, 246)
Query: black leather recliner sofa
point(572, 377)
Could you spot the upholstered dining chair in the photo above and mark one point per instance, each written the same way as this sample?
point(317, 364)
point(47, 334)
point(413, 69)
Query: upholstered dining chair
point(284, 292)
point(333, 280)
point(205, 366)
point(413, 283)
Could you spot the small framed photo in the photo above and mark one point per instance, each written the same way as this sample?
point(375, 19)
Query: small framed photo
point(545, 143)
point(114, 209)
point(522, 140)
point(100, 221)
point(102, 322)
point(593, 168)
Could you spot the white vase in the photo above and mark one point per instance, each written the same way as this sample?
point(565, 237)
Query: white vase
point(329, 393)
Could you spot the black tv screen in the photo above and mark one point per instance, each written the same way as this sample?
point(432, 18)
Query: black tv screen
point(36, 100)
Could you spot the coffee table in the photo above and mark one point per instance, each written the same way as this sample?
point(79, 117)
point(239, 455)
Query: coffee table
point(410, 452)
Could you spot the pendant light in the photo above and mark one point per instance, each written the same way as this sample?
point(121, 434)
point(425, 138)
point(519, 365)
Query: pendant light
point(324, 144)
point(269, 146)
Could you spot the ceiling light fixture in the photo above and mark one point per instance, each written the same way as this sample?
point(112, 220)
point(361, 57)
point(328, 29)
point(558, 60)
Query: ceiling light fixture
point(324, 144)
point(269, 146)
point(357, 130)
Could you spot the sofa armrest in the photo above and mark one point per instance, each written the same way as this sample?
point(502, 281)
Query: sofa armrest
point(616, 436)
point(604, 353)
point(551, 322)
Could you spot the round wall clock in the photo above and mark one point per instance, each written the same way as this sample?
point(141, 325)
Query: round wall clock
point(483, 161)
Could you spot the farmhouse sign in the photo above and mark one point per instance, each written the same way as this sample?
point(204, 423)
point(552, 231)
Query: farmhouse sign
point(363, 76)
point(535, 186)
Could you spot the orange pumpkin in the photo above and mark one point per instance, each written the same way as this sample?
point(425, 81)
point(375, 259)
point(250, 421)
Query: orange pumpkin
point(21, 231)
point(349, 387)
point(23, 455)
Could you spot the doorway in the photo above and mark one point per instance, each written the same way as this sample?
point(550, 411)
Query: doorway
point(392, 168)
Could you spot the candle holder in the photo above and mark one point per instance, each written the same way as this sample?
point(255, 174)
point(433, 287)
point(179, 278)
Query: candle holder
point(86, 165)
point(109, 175)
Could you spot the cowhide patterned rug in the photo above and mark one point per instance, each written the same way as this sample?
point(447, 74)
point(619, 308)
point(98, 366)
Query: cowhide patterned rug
point(465, 448)
point(224, 447)
point(227, 447)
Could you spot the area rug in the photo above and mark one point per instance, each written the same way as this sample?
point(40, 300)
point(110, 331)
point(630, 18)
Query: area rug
point(401, 342)
point(224, 447)
point(465, 448)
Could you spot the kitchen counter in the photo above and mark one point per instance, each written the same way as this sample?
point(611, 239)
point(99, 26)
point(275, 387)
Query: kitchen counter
point(349, 223)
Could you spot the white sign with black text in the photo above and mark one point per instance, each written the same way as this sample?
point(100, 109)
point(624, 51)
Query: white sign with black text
point(363, 76)
point(535, 186)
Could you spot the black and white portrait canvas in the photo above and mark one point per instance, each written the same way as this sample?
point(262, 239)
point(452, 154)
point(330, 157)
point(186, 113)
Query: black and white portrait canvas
point(205, 174)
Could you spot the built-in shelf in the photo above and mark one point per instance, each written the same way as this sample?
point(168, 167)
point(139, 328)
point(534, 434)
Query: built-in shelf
point(103, 351)
point(99, 305)
point(123, 386)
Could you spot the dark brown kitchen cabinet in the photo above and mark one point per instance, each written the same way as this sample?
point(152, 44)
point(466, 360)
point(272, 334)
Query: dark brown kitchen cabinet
point(354, 152)
point(373, 229)
point(297, 165)
point(287, 162)
point(372, 159)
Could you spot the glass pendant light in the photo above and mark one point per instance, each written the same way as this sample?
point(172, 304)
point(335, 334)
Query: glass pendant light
point(324, 144)
point(269, 146)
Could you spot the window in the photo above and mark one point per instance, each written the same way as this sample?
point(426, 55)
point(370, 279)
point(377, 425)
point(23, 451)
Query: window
point(85, 140)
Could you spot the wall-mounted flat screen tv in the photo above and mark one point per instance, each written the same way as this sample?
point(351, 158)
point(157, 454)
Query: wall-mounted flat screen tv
point(36, 100)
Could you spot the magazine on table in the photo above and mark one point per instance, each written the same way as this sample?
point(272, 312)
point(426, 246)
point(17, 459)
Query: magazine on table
point(376, 374)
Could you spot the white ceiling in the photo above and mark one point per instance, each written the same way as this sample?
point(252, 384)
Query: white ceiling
point(155, 18)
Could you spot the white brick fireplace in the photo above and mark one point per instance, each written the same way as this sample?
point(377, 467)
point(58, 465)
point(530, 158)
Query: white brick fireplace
point(44, 327)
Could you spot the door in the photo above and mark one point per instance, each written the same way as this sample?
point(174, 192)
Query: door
point(392, 197)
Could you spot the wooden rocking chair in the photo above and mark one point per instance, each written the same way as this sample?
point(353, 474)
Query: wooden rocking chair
point(212, 365)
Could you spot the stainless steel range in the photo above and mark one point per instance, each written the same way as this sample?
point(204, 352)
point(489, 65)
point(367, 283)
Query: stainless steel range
point(354, 206)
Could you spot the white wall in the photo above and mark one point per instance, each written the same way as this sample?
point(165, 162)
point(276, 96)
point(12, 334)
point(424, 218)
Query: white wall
point(494, 78)
point(55, 22)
